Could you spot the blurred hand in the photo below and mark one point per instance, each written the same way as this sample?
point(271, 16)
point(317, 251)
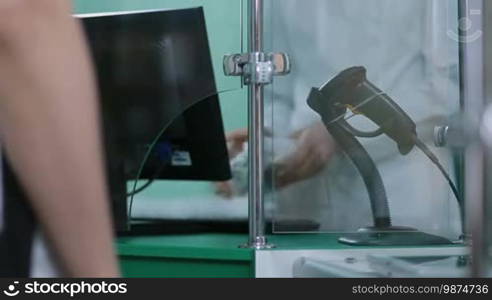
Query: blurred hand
point(235, 144)
point(315, 147)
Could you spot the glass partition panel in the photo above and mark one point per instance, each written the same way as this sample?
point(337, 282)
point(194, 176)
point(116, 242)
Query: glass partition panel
point(353, 127)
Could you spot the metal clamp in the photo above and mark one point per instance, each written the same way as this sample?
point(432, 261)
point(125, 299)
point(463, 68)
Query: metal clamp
point(441, 135)
point(459, 133)
point(258, 67)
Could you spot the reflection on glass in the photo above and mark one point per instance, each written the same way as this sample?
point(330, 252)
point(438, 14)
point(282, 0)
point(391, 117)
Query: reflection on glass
point(408, 54)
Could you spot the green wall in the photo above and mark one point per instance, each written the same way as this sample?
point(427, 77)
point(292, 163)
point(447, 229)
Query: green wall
point(223, 25)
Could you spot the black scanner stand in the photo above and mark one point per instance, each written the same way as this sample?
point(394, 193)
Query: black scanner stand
point(383, 232)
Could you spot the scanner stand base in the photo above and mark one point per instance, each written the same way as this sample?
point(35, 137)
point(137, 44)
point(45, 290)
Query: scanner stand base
point(392, 236)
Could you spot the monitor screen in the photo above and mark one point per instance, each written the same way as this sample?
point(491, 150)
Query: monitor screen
point(157, 88)
point(155, 72)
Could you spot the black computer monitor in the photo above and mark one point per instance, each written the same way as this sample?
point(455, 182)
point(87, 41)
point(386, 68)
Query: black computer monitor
point(155, 71)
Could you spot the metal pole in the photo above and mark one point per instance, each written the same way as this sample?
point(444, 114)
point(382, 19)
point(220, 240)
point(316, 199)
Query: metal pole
point(473, 93)
point(257, 237)
point(483, 246)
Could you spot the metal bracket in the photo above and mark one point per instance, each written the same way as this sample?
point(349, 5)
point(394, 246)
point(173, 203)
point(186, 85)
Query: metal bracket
point(257, 68)
point(458, 134)
point(260, 243)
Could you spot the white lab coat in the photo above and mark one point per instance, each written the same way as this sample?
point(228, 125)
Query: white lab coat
point(405, 47)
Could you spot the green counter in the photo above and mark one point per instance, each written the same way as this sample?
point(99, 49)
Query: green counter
point(185, 256)
point(209, 255)
point(204, 255)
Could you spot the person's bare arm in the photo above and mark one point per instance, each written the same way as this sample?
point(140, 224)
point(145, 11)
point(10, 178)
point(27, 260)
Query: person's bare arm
point(315, 148)
point(49, 126)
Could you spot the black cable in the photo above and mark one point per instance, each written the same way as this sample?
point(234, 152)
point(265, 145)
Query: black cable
point(156, 139)
point(423, 147)
point(149, 182)
point(359, 133)
point(142, 188)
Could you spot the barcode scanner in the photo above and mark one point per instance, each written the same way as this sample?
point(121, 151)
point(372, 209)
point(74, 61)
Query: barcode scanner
point(352, 91)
